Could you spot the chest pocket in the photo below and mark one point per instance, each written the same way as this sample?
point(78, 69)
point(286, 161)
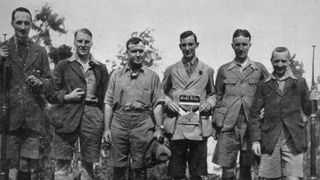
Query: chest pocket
point(230, 86)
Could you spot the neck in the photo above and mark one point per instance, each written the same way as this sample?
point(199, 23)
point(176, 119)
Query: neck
point(21, 39)
point(84, 59)
point(134, 67)
point(279, 75)
point(189, 59)
point(240, 60)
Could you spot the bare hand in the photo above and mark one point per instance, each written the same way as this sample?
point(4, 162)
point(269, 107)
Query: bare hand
point(75, 95)
point(159, 135)
point(256, 148)
point(107, 136)
point(172, 106)
point(32, 81)
point(4, 52)
point(314, 95)
point(262, 113)
point(205, 107)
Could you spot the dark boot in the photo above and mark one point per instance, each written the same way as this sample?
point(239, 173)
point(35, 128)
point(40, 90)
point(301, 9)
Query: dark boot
point(139, 174)
point(119, 173)
point(228, 174)
point(180, 178)
point(195, 178)
point(245, 172)
point(24, 175)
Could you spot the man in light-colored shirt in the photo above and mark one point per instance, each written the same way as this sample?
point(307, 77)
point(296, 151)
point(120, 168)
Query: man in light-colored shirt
point(133, 113)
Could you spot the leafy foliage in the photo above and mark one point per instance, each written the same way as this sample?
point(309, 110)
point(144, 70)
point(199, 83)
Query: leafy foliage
point(44, 22)
point(297, 67)
point(151, 53)
point(60, 53)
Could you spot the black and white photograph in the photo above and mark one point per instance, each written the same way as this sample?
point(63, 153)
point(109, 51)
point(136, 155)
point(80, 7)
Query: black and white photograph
point(159, 90)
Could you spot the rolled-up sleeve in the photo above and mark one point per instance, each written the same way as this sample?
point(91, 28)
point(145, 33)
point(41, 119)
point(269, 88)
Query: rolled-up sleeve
point(167, 85)
point(157, 94)
point(108, 99)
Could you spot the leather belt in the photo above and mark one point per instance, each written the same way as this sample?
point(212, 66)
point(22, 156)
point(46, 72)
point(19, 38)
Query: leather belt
point(91, 103)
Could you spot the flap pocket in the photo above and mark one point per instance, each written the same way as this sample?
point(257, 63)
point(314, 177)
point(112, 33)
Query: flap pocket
point(169, 125)
point(218, 116)
point(230, 81)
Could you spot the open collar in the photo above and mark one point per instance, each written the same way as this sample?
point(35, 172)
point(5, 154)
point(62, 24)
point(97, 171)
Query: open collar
point(249, 63)
point(75, 57)
point(193, 61)
point(289, 74)
point(127, 68)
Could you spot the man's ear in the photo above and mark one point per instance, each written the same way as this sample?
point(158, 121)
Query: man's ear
point(292, 57)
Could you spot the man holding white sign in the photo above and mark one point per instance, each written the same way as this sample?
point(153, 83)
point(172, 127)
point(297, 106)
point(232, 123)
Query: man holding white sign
point(189, 95)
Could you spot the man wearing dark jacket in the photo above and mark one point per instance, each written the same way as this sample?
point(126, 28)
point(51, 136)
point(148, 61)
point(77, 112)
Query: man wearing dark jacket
point(29, 74)
point(280, 137)
point(81, 83)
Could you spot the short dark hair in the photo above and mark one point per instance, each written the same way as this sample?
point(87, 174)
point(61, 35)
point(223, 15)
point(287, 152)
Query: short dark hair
point(187, 34)
point(133, 40)
point(83, 30)
point(20, 9)
point(241, 32)
point(280, 50)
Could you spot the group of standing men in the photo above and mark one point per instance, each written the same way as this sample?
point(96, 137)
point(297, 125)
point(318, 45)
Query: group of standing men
point(251, 109)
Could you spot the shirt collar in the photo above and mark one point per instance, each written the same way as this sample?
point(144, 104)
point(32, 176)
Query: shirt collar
point(25, 43)
point(127, 68)
point(192, 62)
point(288, 74)
point(248, 62)
point(75, 57)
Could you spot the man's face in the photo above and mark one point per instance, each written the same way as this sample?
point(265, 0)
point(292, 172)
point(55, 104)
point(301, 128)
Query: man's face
point(280, 62)
point(241, 46)
point(188, 47)
point(21, 25)
point(136, 53)
point(83, 44)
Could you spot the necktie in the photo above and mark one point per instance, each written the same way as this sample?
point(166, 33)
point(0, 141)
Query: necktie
point(23, 50)
point(188, 68)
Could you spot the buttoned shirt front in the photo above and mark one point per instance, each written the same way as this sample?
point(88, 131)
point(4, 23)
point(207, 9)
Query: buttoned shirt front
point(126, 93)
point(88, 73)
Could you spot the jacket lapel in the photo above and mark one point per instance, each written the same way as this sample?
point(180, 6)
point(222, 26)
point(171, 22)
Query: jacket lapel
point(274, 85)
point(236, 72)
point(97, 72)
point(246, 72)
point(196, 73)
point(288, 85)
point(13, 53)
point(31, 57)
point(182, 72)
point(77, 69)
